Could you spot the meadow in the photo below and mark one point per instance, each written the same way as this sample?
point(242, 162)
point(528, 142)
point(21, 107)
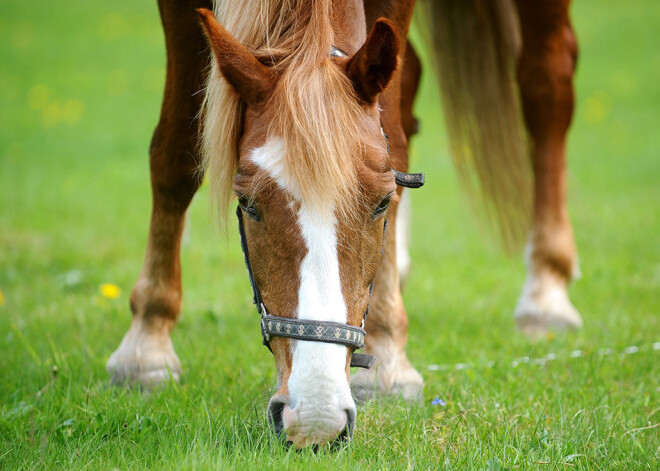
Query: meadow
point(80, 87)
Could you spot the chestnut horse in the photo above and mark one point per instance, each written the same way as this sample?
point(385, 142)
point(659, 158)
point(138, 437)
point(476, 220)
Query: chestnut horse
point(300, 98)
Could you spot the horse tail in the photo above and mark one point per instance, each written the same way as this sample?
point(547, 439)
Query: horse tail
point(475, 45)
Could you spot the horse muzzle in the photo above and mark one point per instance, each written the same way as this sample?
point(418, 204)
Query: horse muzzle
point(306, 425)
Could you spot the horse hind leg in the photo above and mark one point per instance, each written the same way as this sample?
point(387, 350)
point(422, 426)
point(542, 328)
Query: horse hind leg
point(545, 76)
point(146, 356)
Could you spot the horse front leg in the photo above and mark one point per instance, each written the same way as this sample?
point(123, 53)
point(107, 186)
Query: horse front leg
point(410, 76)
point(545, 76)
point(387, 322)
point(146, 356)
point(387, 334)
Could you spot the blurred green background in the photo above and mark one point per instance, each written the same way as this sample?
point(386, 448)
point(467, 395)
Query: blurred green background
point(80, 90)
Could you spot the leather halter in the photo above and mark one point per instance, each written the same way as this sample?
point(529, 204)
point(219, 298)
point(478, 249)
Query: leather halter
point(319, 331)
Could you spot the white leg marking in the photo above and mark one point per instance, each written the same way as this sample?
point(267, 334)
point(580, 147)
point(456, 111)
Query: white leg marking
point(403, 216)
point(544, 304)
point(144, 356)
point(318, 387)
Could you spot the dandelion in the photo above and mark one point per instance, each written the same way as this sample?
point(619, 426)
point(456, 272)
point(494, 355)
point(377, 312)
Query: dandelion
point(2, 298)
point(438, 402)
point(110, 291)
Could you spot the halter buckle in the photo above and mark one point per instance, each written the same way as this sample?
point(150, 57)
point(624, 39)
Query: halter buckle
point(264, 331)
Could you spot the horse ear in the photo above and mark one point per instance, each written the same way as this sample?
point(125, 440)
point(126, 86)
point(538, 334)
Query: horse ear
point(372, 67)
point(252, 80)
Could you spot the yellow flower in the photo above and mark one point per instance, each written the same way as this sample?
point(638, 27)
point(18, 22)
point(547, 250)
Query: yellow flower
point(110, 291)
point(2, 298)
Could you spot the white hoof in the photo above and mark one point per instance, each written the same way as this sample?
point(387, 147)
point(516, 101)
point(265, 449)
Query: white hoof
point(544, 306)
point(144, 358)
point(393, 379)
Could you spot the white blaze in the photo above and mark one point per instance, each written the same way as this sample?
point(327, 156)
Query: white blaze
point(318, 377)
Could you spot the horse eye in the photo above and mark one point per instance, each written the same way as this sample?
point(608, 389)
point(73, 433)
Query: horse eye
point(382, 207)
point(249, 209)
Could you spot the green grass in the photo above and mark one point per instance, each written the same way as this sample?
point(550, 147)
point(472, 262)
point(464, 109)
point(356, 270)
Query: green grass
point(80, 84)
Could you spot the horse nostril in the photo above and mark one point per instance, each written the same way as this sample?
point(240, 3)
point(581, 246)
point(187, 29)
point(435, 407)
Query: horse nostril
point(274, 412)
point(350, 421)
point(347, 433)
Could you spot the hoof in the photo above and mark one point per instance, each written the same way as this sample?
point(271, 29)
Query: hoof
point(388, 380)
point(544, 307)
point(144, 359)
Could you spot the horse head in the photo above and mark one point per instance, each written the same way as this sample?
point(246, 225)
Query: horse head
point(314, 181)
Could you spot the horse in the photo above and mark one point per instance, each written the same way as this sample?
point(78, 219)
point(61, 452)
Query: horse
point(305, 120)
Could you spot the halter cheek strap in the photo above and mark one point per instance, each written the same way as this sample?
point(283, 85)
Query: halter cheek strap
point(408, 180)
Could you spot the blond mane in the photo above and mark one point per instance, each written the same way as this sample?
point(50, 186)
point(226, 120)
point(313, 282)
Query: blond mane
point(317, 114)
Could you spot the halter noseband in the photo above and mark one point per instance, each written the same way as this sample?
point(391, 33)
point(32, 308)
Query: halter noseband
point(319, 331)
